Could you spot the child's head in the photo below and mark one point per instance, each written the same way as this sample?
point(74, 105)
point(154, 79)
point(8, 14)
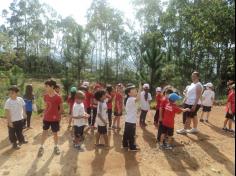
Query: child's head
point(209, 86)
point(173, 97)
point(29, 92)
point(131, 91)
point(146, 87)
point(119, 88)
point(80, 96)
point(158, 90)
point(57, 89)
point(168, 91)
point(100, 95)
point(50, 85)
point(233, 87)
point(109, 89)
point(13, 91)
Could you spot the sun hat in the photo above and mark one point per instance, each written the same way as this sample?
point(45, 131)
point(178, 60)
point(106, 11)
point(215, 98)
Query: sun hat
point(73, 89)
point(209, 85)
point(86, 84)
point(146, 86)
point(158, 89)
point(174, 97)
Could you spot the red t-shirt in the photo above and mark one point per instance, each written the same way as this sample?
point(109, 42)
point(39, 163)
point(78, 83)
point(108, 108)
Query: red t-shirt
point(51, 112)
point(158, 101)
point(231, 101)
point(87, 101)
point(71, 103)
point(118, 102)
point(110, 99)
point(169, 115)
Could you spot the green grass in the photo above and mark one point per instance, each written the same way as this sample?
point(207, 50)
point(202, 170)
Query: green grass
point(1, 113)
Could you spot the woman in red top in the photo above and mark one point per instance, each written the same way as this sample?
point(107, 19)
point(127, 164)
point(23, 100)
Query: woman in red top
point(118, 106)
point(71, 101)
point(158, 103)
point(110, 97)
point(230, 109)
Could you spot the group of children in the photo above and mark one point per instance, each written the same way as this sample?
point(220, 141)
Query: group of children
point(94, 107)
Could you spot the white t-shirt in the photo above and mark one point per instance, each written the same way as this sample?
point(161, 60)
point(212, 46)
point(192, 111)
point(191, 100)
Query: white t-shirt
point(16, 108)
point(192, 94)
point(78, 110)
point(102, 109)
point(145, 104)
point(131, 110)
point(207, 98)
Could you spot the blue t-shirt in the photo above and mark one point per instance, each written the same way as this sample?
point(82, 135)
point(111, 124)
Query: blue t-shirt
point(28, 105)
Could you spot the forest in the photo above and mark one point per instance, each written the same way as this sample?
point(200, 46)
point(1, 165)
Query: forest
point(161, 46)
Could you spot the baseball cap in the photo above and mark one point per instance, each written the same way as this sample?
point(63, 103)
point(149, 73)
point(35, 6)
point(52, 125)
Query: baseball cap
point(73, 89)
point(158, 89)
point(209, 85)
point(146, 86)
point(174, 97)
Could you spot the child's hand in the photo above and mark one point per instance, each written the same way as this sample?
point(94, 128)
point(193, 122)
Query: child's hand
point(10, 124)
point(187, 110)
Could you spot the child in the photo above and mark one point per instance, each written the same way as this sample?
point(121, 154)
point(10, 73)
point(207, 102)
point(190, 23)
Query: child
point(110, 97)
point(29, 100)
point(88, 99)
point(15, 112)
point(102, 117)
point(92, 118)
point(230, 108)
point(118, 107)
point(158, 103)
point(58, 89)
point(145, 104)
point(131, 118)
point(208, 98)
point(164, 101)
point(168, 121)
point(79, 115)
point(71, 101)
point(52, 115)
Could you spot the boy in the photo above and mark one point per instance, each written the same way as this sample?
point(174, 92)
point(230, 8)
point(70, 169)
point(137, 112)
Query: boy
point(168, 121)
point(79, 115)
point(15, 113)
point(102, 117)
point(164, 101)
point(118, 109)
point(131, 118)
point(52, 114)
point(230, 108)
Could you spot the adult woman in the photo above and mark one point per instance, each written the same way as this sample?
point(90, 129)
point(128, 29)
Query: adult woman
point(192, 101)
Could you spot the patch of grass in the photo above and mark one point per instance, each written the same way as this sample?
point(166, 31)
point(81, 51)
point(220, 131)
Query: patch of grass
point(1, 113)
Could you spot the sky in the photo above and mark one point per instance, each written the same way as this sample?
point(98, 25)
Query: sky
point(78, 8)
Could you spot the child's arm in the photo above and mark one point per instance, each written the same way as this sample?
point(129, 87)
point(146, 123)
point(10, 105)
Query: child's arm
point(100, 116)
point(8, 116)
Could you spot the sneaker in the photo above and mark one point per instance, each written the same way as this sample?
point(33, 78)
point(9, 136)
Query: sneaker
point(24, 142)
point(201, 120)
point(134, 150)
point(57, 150)
point(15, 146)
point(161, 146)
point(231, 131)
point(224, 129)
point(192, 131)
point(181, 131)
point(40, 152)
point(169, 147)
point(207, 121)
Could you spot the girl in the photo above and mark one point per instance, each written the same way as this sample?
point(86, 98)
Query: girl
point(145, 104)
point(131, 118)
point(158, 102)
point(29, 100)
point(118, 107)
point(208, 98)
point(110, 97)
point(102, 117)
point(71, 101)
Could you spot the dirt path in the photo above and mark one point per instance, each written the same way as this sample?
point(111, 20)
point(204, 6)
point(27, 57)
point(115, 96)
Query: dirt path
point(210, 153)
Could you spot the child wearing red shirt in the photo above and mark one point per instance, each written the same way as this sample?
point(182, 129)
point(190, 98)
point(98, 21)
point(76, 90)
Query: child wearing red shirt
point(230, 109)
point(164, 101)
point(158, 105)
point(118, 107)
point(110, 97)
point(168, 121)
point(52, 115)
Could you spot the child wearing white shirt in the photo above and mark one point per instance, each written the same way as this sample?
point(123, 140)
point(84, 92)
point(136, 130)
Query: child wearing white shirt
point(15, 112)
point(145, 99)
point(80, 118)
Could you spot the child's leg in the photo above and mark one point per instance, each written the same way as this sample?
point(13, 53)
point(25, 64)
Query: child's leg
point(187, 123)
point(105, 137)
point(208, 115)
point(225, 122)
point(195, 122)
point(125, 136)
point(201, 118)
point(97, 138)
point(170, 140)
point(118, 122)
point(159, 132)
point(162, 137)
point(55, 137)
point(44, 137)
point(230, 124)
point(12, 135)
point(131, 137)
point(19, 131)
point(70, 121)
point(94, 116)
point(115, 121)
point(110, 117)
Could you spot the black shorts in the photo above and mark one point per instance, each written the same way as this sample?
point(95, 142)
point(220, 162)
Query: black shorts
point(116, 114)
point(206, 108)
point(102, 130)
point(230, 116)
point(55, 126)
point(191, 114)
point(79, 131)
point(168, 131)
